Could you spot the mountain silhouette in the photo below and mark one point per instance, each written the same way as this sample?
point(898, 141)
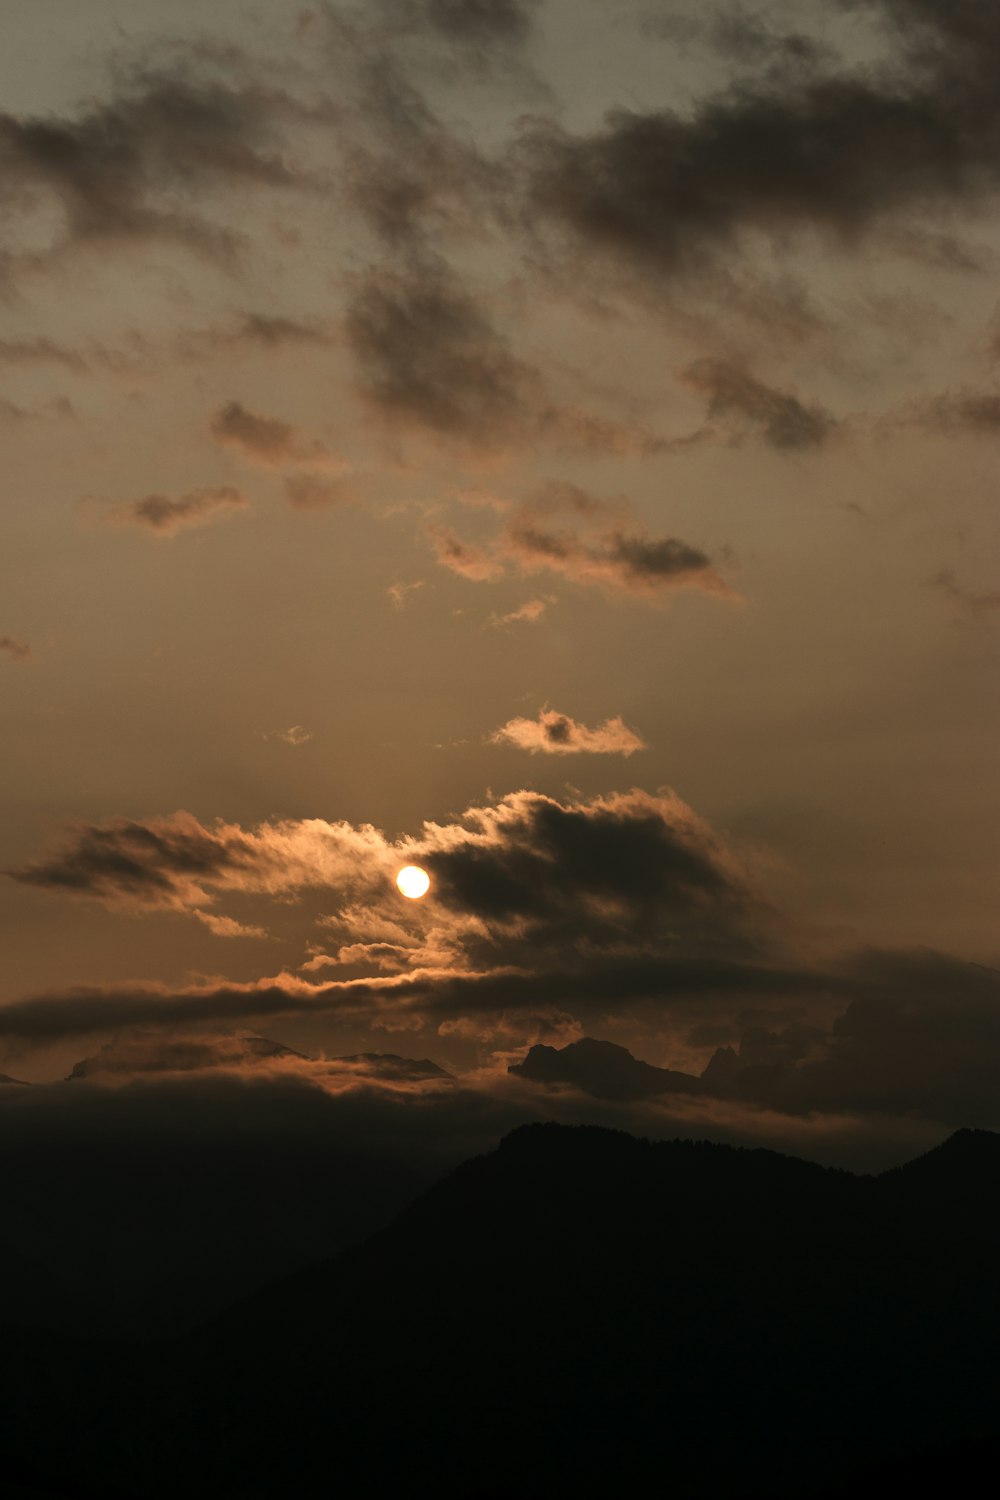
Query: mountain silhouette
point(143, 1208)
point(603, 1070)
point(576, 1314)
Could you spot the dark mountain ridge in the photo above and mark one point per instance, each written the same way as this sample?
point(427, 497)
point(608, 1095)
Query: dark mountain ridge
point(577, 1313)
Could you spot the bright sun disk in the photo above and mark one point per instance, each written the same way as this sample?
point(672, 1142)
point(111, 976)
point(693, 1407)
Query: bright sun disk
point(413, 882)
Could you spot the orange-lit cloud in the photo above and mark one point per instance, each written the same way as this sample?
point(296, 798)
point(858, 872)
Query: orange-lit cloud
point(553, 733)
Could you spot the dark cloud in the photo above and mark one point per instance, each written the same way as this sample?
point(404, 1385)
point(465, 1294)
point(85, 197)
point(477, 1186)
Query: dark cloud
point(274, 332)
point(605, 874)
point(479, 22)
point(557, 734)
point(120, 170)
point(783, 420)
point(750, 38)
point(429, 355)
point(267, 440)
point(41, 351)
point(162, 862)
point(408, 173)
point(167, 516)
point(922, 1037)
point(629, 560)
point(839, 152)
point(14, 647)
point(956, 412)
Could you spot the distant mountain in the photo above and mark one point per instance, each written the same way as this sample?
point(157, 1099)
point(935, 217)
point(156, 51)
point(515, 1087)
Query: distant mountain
point(388, 1065)
point(576, 1314)
point(133, 1206)
point(18, 1082)
point(603, 1070)
point(136, 1052)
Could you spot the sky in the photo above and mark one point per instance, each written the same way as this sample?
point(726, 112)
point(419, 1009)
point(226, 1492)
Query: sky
point(550, 443)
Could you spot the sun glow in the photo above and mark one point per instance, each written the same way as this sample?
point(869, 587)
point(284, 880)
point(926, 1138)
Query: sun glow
point(413, 882)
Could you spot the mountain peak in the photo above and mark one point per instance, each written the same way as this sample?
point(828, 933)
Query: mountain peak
point(603, 1069)
point(966, 1152)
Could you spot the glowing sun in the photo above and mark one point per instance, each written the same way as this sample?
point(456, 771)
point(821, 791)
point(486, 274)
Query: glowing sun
point(413, 882)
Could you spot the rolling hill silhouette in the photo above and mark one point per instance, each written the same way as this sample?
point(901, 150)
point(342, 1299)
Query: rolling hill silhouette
point(576, 1314)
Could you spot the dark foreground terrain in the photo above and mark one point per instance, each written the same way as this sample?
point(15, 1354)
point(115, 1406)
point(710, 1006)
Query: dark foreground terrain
point(577, 1314)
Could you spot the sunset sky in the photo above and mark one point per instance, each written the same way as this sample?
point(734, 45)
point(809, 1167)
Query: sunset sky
point(554, 444)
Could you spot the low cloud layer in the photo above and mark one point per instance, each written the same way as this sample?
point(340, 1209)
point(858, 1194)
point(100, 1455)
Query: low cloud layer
point(553, 733)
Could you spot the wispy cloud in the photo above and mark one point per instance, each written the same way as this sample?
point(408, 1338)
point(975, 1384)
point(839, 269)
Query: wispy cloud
point(979, 604)
point(269, 441)
point(165, 516)
point(530, 612)
point(14, 647)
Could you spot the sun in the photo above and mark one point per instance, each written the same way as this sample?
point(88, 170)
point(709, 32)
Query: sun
point(413, 882)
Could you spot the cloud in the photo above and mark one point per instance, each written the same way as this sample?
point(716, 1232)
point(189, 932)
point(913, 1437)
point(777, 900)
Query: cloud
point(556, 734)
point(979, 605)
point(137, 1053)
point(14, 647)
point(629, 560)
point(41, 351)
point(313, 491)
point(228, 927)
point(429, 355)
point(976, 412)
point(295, 734)
point(162, 862)
point(463, 558)
point(273, 332)
point(625, 845)
point(783, 420)
point(481, 23)
point(268, 440)
point(166, 517)
point(602, 546)
point(612, 911)
point(920, 1037)
point(598, 902)
point(124, 170)
point(400, 592)
point(799, 149)
point(530, 613)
